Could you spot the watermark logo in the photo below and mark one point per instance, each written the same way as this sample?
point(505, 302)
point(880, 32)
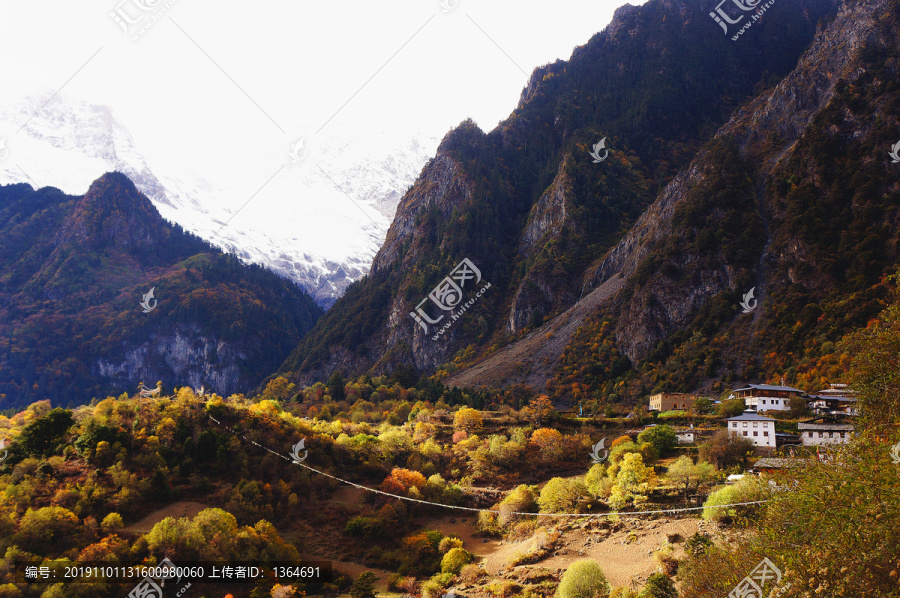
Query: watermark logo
point(298, 153)
point(752, 585)
point(5, 454)
point(152, 587)
point(448, 5)
point(724, 19)
point(145, 302)
point(595, 452)
point(139, 16)
point(894, 153)
point(595, 154)
point(749, 303)
point(895, 454)
point(4, 153)
point(448, 295)
point(148, 392)
point(295, 453)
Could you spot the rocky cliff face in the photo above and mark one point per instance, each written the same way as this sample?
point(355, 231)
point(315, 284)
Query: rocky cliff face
point(545, 222)
point(768, 132)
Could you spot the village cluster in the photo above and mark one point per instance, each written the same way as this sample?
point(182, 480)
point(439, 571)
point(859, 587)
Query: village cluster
point(834, 410)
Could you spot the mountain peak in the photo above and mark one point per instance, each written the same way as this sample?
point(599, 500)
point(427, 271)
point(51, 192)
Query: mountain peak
point(112, 212)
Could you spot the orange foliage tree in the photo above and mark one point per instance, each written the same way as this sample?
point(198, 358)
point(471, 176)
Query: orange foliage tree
point(401, 481)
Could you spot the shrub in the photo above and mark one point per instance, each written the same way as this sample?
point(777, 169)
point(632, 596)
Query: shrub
point(448, 543)
point(659, 586)
point(364, 527)
point(522, 499)
point(697, 544)
point(583, 579)
point(455, 559)
point(748, 489)
point(111, 522)
point(364, 586)
point(561, 495)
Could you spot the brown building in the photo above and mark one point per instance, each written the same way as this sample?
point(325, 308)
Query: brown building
point(667, 401)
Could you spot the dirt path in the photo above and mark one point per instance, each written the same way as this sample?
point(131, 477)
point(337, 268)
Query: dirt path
point(540, 349)
point(621, 562)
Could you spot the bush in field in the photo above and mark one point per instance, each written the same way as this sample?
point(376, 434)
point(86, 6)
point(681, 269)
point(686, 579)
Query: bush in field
point(561, 495)
point(364, 586)
point(748, 489)
point(455, 560)
point(364, 527)
point(583, 579)
point(659, 586)
point(522, 499)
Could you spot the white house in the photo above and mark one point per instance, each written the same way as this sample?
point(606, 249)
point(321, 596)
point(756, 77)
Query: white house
point(824, 430)
point(688, 436)
point(758, 428)
point(765, 397)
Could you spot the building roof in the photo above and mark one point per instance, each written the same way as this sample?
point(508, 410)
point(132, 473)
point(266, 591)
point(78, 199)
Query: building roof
point(750, 416)
point(776, 463)
point(832, 398)
point(768, 387)
point(826, 426)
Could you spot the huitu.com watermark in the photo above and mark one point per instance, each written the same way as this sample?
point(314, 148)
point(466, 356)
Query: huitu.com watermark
point(734, 17)
point(448, 296)
point(136, 17)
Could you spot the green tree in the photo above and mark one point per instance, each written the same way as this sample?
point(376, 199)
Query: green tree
point(686, 474)
point(336, 387)
point(48, 531)
point(659, 586)
point(560, 495)
point(280, 388)
point(42, 436)
point(455, 559)
point(633, 481)
point(731, 408)
point(662, 437)
point(364, 586)
point(583, 579)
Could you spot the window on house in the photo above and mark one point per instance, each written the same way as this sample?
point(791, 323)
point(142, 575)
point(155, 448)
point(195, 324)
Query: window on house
point(745, 424)
point(755, 424)
point(820, 434)
point(755, 433)
point(809, 434)
point(842, 434)
point(745, 432)
point(734, 424)
point(765, 433)
point(764, 401)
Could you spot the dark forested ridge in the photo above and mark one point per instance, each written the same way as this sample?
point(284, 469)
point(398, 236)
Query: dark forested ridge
point(526, 202)
point(73, 272)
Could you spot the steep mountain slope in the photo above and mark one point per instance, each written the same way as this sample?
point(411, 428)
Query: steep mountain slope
point(66, 143)
point(529, 206)
point(73, 272)
point(796, 198)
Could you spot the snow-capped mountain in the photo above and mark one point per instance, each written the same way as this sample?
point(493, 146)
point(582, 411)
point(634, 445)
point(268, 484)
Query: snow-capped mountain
point(315, 210)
